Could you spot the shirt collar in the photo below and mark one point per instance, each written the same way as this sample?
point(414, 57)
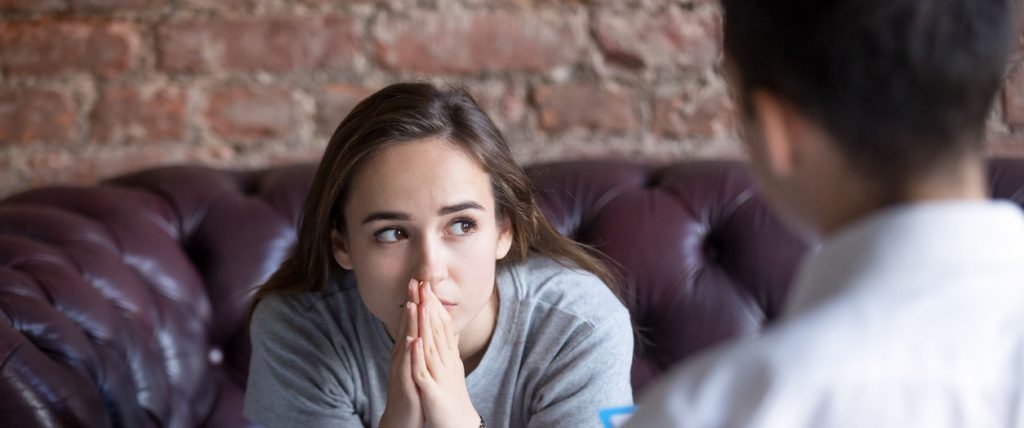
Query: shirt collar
point(908, 238)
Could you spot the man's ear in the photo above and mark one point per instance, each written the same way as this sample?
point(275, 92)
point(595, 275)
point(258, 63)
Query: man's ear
point(339, 248)
point(777, 133)
point(504, 238)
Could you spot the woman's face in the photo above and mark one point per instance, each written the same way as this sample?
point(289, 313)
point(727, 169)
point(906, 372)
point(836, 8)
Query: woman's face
point(422, 211)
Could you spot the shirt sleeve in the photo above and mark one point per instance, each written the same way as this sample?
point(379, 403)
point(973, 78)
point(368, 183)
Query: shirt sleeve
point(295, 375)
point(589, 373)
point(713, 390)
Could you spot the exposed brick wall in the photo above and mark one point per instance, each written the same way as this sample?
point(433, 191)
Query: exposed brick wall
point(92, 88)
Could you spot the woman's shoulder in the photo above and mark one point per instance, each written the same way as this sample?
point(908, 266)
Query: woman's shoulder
point(539, 269)
point(304, 305)
point(562, 285)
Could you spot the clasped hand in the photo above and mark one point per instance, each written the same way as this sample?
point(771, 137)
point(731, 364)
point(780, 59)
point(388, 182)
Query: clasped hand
point(427, 381)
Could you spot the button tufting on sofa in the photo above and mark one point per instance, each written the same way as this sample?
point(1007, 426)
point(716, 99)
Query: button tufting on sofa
point(124, 303)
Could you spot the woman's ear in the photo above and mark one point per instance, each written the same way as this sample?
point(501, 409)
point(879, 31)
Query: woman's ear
point(504, 238)
point(339, 248)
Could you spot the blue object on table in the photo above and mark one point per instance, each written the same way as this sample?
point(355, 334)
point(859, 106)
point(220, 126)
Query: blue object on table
point(614, 417)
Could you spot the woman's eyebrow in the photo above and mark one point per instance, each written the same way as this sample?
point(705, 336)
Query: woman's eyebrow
point(394, 215)
point(460, 206)
point(385, 215)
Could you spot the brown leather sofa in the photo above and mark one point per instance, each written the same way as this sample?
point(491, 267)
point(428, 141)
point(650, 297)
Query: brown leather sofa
point(124, 304)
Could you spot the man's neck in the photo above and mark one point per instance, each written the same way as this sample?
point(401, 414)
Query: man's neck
point(964, 180)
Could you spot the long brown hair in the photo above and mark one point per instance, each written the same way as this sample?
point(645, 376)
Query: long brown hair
point(408, 112)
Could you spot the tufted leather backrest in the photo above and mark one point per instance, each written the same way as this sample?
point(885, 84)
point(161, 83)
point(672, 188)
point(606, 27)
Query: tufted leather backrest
point(702, 257)
point(124, 304)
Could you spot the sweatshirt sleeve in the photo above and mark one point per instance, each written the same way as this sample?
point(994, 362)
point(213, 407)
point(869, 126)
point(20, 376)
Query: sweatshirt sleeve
point(589, 373)
point(293, 380)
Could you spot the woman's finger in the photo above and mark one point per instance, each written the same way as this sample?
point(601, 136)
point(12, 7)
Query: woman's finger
point(405, 371)
point(420, 373)
point(451, 338)
point(429, 328)
point(403, 320)
point(448, 330)
point(445, 328)
point(399, 352)
point(426, 327)
point(398, 346)
point(437, 313)
point(396, 358)
point(413, 291)
point(405, 360)
point(421, 292)
point(412, 315)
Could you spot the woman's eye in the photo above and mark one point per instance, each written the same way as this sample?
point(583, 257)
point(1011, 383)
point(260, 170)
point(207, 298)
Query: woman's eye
point(390, 235)
point(462, 227)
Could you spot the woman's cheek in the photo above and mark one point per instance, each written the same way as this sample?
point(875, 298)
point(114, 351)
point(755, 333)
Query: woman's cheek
point(477, 272)
point(481, 245)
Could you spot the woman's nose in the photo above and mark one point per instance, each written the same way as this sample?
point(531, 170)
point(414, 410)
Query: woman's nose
point(432, 263)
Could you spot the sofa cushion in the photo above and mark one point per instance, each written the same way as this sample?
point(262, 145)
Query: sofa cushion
point(125, 303)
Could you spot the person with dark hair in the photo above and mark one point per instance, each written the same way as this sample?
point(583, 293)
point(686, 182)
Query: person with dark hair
point(864, 121)
point(427, 288)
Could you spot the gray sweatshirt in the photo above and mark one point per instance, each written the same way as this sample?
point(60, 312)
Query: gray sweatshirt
point(561, 351)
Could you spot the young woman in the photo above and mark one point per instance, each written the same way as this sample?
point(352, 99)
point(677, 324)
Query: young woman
point(427, 288)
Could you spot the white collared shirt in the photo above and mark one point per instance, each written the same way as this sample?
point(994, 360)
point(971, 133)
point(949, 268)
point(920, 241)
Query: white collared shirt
point(913, 317)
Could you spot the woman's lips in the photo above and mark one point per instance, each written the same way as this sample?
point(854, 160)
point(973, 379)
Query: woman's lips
point(448, 306)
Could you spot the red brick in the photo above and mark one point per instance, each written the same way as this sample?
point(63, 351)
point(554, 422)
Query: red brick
point(109, 5)
point(1013, 97)
point(48, 47)
point(296, 155)
point(133, 113)
point(523, 4)
point(636, 4)
point(84, 167)
point(690, 39)
point(275, 44)
point(121, 161)
point(32, 5)
point(221, 5)
point(23, 167)
point(693, 115)
point(241, 114)
point(585, 106)
point(59, 167)
point(334, 102)
point(504, 102)
point(30, 115)
point(476, 42)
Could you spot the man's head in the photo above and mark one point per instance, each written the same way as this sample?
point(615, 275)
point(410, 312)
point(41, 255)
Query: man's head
point(897, 89)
